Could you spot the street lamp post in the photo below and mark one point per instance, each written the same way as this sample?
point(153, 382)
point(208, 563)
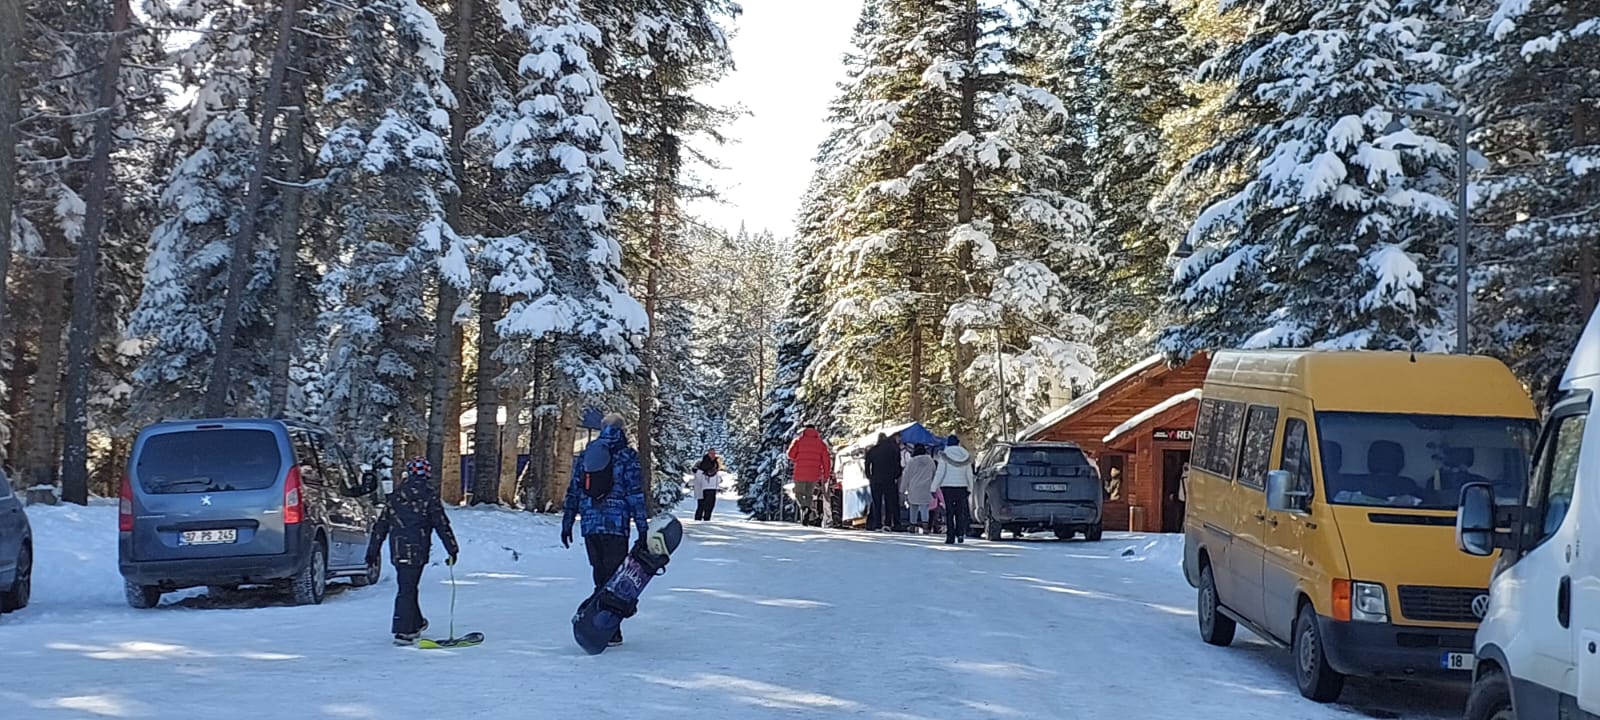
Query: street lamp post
point(1463, 126)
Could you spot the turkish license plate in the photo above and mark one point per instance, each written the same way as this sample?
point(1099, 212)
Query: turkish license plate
point(1050, 487)
point(1459, 661)
point(208, 537)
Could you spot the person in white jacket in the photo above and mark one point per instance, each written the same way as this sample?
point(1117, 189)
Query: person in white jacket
point(953, 479)
point(707, 483)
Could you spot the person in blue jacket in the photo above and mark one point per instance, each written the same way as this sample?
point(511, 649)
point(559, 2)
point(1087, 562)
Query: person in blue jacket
point(607, 490)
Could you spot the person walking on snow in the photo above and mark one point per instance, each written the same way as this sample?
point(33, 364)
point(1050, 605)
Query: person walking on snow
point(883, 475)
point(813, 466)
point(953, 478)
point(916, 484)
point(707, 483)
point(411, 516)
point(607, 490)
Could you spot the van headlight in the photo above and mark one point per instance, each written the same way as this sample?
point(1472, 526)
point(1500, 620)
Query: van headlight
point(1368, 603)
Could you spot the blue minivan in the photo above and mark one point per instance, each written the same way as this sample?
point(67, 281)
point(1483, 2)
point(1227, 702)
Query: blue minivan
point(231, 503)
point(16, 550)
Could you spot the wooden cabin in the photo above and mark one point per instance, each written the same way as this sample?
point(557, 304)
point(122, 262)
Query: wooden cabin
point(1138, 427)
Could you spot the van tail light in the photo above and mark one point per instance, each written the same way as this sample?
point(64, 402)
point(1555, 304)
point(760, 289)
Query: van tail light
point(125, 505)
point(291, 497)
point(1341, 600)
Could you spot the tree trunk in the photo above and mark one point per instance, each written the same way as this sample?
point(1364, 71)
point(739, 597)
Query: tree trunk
point(513, 401)
point(39, 457)
point(486, 434)
point(75, 459)
point(566, 435)
point(450, 475)
point(965, 395)
point(285, 285)
point(244, 241)
point(441, 413)
point(10, 114)
point(531, 483)
point(1582, 120)
point(914, 406)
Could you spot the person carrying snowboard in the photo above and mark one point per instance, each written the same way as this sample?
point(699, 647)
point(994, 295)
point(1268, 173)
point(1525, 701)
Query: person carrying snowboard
point(411, 516)
point(813, 465)
point(608, 492)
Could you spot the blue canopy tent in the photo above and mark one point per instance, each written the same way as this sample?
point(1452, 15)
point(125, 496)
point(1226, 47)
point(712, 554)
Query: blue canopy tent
point(852, 463)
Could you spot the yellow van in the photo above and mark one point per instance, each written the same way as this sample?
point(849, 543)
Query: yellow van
point(1321, 505)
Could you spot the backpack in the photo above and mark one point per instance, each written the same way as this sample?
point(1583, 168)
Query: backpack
point(598, 475)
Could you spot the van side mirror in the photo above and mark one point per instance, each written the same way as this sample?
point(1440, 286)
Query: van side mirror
point(1280, 498)
point(1476, 531)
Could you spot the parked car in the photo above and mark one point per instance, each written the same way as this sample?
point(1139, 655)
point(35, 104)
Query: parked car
point(16, 550)
point(1537, 652)
point(229, 503)
point(1037, 486)
point(1322, 491)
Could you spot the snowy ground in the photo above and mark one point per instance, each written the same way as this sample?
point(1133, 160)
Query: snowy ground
point(752, 620)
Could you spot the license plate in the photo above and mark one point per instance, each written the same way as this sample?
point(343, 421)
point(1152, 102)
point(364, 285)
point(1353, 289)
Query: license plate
point(1459, 661)
point(1050, 487)
point(208, 537)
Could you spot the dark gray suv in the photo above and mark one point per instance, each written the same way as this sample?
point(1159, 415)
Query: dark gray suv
point(1037, 486)
point(16, 550)
point(228, 503)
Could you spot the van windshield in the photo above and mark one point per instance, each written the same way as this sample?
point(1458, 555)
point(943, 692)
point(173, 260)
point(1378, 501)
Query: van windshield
point(209, 461)
point(1420, 461)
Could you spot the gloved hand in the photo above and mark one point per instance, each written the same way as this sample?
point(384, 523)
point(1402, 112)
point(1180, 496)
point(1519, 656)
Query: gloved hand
point(451, 561)
point(566, 537)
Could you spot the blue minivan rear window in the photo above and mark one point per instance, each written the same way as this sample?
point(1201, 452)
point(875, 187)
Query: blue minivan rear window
point(209, 461)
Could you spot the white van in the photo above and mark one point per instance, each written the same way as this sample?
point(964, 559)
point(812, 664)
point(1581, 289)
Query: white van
point(1538, 647)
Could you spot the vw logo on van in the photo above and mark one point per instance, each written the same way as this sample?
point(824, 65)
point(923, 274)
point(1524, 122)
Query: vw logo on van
point(206, 500)
point(1480, 606)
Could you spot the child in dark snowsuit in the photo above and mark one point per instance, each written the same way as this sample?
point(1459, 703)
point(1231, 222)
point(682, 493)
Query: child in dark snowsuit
point(412, 515)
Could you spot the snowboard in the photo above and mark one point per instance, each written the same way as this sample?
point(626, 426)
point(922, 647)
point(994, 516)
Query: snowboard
point(602, 613)
point(467, 640)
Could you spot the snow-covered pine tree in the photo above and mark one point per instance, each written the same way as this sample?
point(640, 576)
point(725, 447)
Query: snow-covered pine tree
point(201, 201)
point(59, 72)
point(387, 177)
point(554, 141)
point(655, 54)
point(1146, 58)
point(1334, 240)
point(1529, 82)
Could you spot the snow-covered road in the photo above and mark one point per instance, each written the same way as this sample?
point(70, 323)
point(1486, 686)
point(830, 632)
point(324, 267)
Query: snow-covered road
point(752, 621)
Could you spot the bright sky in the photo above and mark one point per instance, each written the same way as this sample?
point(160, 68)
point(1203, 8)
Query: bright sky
point(788, 55)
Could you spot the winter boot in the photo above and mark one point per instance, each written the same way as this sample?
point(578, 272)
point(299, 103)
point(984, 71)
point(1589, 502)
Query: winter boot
point(404, 639)
point(616, 638)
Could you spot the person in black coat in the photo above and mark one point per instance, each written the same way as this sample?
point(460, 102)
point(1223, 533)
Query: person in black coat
point(883, 475)
point(411, 516)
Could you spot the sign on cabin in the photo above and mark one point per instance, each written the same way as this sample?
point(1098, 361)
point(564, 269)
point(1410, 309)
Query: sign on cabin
point(1173, 434)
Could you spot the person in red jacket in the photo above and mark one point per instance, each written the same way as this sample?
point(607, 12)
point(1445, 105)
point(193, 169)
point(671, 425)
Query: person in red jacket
point(813, 466)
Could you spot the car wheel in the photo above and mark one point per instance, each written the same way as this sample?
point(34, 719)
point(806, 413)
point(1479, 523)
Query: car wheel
point(1065, 533)
point(991, 531)
point(374, 573)
point(1094, 533)
point(311, 584)
point(1215, 628)
point(22, 588)
point(1317, 681)
point(1490, 698)
point(141, 597)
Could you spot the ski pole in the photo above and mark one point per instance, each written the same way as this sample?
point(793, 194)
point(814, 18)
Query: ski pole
point(452, 600)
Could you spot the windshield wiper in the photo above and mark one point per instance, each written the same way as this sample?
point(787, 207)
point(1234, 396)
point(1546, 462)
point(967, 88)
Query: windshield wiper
point(186, 482)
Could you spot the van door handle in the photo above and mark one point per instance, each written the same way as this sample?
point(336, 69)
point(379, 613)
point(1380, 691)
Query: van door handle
point(1564, 602)
point(1261, 516)
point(1272, 521)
